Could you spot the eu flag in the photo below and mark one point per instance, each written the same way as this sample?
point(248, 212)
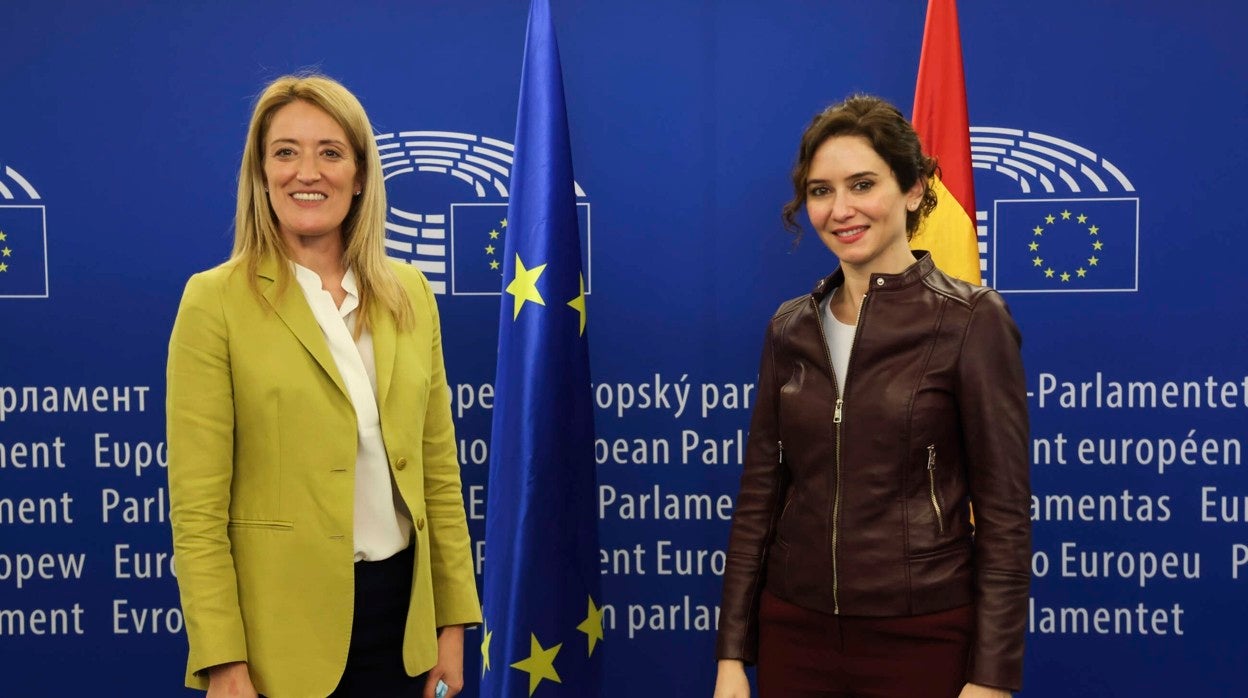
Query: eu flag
point(477, 239)
point(543, 613)
point(1066, 245)
point(23, 252)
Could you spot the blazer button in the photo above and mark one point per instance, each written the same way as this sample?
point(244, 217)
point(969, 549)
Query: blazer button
point(420, 523)
point(400, 464)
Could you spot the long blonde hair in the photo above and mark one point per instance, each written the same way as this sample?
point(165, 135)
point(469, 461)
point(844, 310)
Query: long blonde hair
point(256, 234)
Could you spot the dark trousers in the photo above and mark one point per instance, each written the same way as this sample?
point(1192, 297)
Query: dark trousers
point(375, 658)
point(808, 654)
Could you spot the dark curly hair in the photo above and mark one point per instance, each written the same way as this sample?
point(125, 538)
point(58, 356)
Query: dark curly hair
point(890, 135)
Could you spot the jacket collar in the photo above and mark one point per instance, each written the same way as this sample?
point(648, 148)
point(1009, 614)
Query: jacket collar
point(913, 274)
point(268, 267)
point(292, 308)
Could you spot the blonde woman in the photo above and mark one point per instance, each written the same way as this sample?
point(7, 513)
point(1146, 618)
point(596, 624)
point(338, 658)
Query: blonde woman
point(318, 522)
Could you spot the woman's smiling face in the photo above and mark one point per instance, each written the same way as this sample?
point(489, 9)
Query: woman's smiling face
point(855, 203)
point(309, 171)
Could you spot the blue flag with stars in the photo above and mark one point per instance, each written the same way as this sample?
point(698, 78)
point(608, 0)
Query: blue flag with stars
point(543, 613)
point(1067, 245)
point(23, 252)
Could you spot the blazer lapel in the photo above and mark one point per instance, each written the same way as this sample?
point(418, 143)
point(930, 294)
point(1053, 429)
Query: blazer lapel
point(293, 309)
point(384, 340)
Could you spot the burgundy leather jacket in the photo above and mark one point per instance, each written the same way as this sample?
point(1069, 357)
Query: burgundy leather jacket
point(858, 505)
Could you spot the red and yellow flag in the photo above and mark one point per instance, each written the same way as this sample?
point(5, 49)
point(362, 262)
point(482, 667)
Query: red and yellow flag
point(941, 121)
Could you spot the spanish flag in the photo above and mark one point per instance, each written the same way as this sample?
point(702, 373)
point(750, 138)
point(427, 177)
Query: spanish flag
point(940, 119)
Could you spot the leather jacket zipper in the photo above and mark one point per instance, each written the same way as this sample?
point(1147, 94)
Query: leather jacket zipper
point(931, 484)
point(838, 417)
point(788, 496)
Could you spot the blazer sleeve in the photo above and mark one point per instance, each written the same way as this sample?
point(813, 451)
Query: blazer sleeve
point(992, 401)
point(454, 581)
point(200, 434)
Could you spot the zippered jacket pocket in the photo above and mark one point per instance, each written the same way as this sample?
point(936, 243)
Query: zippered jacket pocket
point(931, 488)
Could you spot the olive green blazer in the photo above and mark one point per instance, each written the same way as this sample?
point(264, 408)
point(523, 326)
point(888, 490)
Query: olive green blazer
point(262, 447)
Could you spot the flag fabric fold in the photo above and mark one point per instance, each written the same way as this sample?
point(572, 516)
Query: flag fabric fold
point(542, 608)
point(940, 117)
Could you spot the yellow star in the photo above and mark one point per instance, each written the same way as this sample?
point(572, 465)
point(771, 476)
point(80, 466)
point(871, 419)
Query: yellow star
point(1036, 261)
point(1097, 245)
point(486, 636)
point(1065, 276)
point(592, 626)
point(7, 252)
point(1065, 215)
point(524, 286)
point(1038, 230)
point(1034, 246)
point(3, 267)
point(1092, 261)
point(3, 236)
point(1093, 230)
point(1081, 218)
point(489, 249)
point(493, 234)
point(540, 664)
point(1048, 273)
point(578, 304)
point(493, 263)
point(1081, 272)
point(503, 223)
point(1049, 218)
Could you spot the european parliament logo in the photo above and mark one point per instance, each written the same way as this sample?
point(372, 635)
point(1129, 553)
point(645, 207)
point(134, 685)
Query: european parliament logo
point(448, 193)
point(1064, 218)
point(23, 238)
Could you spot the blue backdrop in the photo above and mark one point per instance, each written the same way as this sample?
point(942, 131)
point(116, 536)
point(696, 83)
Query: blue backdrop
point(121, 132)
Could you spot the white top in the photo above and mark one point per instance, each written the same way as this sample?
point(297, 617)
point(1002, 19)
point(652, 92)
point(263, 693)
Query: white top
point(381, 528)
point(840, 341)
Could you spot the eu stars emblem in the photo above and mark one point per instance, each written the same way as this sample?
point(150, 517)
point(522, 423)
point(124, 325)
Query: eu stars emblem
point(478, 234)
point(1058, 245)
point(23, 252)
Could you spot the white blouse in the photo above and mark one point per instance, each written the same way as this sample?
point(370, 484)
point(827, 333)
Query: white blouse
point(382, 526)
point(841, 340)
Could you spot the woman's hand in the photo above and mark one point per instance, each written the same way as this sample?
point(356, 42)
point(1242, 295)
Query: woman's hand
point(731, 682)
point(974, 690)
point(450, 666)
point(230, 681)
